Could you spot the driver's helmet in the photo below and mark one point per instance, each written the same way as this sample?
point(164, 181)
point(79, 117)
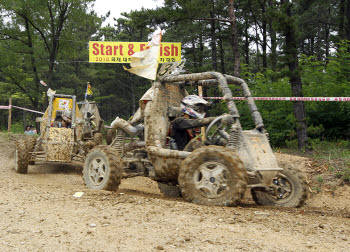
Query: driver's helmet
point(67, 115)
point(194, 106)
point(148, 96)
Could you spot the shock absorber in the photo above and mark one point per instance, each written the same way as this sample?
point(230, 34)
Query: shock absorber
point(118, 142)
point(234, 140)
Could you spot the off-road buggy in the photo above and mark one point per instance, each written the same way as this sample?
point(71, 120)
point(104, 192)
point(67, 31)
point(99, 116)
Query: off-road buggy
point(218, 173)
point(58, 143)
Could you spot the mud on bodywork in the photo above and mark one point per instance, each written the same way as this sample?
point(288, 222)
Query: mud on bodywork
point(215, 178)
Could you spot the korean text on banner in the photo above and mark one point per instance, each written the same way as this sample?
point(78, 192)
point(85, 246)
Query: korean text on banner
point(120, 52)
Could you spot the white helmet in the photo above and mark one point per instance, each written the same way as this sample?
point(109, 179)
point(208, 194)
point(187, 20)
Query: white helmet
point(67, 115)
point(193, 105)
point(148, 96)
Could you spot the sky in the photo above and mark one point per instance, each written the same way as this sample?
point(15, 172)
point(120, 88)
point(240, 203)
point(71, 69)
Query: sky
point(118, 6)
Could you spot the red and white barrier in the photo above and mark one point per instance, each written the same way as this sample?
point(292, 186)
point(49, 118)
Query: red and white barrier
point(30, 110)
point(329, 99)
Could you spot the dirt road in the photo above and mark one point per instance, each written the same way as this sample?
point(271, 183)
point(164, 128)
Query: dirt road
point(39, 213)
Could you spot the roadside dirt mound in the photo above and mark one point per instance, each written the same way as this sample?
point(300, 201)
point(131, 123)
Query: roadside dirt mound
point(296, 161)
point(39, 213)
point(330, 197)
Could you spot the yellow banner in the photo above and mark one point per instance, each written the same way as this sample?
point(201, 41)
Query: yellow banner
point(120, 52)
point(61, 104)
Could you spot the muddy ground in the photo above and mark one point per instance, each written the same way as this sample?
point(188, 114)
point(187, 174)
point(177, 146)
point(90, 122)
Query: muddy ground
point(39, 213)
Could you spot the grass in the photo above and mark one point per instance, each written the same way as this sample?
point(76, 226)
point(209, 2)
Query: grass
point(330, 158)
point(336, 155)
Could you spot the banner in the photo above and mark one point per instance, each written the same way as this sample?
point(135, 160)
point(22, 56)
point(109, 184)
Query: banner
point(120, 52)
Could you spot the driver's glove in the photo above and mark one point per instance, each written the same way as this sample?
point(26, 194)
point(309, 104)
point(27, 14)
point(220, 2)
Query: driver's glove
point(227, 119)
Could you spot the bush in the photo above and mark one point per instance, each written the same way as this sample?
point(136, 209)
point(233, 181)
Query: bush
point(17, 128)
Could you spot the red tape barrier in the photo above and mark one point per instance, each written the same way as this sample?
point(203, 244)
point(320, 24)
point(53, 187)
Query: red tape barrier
point(328, 99)
point(331, 99)
point(30, 110)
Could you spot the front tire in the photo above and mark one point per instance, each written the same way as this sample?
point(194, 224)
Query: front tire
point(22, 155)
point(111, 133)
point(102, 169)
point(290, 190)
point(213, 175)
point(98, 138)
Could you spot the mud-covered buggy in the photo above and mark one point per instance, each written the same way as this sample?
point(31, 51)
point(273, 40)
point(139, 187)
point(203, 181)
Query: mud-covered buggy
point(210, 175)
point(67, 133)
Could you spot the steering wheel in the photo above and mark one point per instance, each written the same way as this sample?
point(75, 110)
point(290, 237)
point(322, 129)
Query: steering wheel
point(217, 132)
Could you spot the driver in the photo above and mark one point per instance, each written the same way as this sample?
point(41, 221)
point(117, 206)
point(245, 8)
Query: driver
point(67, 119)
point(134, 127)
point(186, 127)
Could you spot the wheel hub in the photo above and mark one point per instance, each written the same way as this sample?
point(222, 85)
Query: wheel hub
point(97, 171)
point(211, 179)
point(282, 188)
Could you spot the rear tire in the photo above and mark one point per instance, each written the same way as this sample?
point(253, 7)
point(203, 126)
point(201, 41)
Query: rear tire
point(213, 175)
point(102, 169)
point(292, 190)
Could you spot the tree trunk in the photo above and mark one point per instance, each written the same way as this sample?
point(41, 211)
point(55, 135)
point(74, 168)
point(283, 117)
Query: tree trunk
point(347, 27)
point(201, 50)
point(234, 42)
point(312, 46)
point(222, 52)
point(213, 37)
point(194, 58)
point(327, 28)
point(257, 48)
point(56, 28)
point(33, 63)
point(291, 53)
point(273, 38)
point(318, 48)
point(246, 42)
point(341, 31)
point(264, 34)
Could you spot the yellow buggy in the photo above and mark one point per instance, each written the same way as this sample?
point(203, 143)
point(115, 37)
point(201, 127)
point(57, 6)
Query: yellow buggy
point(67, 133)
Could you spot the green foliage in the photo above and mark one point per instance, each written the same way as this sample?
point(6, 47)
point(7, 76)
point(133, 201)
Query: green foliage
point(320, 179)
point(28, 54)
point(325, 120)
point(346, 174)
point(336, 155)
point(331, 80)
point(331, 158)
point(17, 128)
point(277, 115)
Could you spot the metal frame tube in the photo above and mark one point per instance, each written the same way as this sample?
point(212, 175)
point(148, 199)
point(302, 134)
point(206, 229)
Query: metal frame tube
point(219, 77)
point(214, 78)
point(73, 111)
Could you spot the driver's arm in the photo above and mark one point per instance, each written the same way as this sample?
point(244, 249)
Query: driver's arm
point(183, 123)
point(137, 117)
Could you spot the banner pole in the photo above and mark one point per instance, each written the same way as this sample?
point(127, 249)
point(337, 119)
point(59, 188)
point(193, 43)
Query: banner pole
point(200, 94)
point(10, 114)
